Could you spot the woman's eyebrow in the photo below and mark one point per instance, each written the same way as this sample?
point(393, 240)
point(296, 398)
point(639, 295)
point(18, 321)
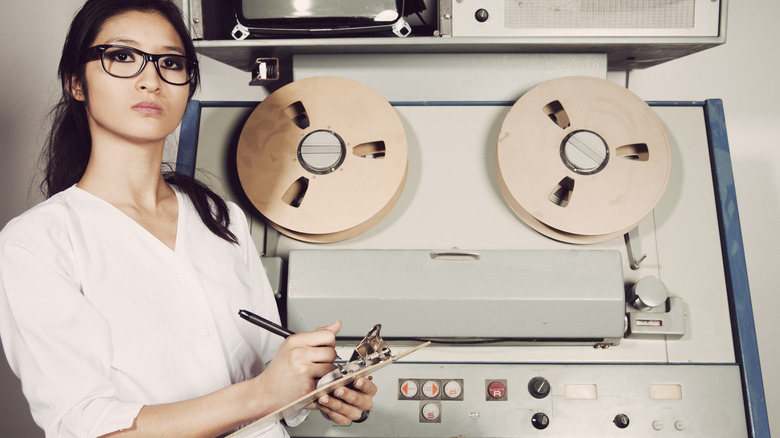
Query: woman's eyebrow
point(175, 49)
point(123, 40)
point(134, 43)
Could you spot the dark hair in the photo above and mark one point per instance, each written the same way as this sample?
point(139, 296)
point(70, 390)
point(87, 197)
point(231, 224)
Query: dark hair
point(67, 150)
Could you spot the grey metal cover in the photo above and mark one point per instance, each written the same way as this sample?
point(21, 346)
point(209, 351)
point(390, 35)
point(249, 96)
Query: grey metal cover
point(523, 296)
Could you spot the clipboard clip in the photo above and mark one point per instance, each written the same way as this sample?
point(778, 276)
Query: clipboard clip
point(372, 348)
point(370, 351)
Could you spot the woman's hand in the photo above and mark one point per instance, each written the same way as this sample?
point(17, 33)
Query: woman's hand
point(347, 404)
point(298, 365)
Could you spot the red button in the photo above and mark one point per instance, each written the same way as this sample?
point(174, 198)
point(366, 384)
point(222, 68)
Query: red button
point(496, 390)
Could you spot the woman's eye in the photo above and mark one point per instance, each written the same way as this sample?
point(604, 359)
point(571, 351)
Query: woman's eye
point(172, 63)
point(122, 56)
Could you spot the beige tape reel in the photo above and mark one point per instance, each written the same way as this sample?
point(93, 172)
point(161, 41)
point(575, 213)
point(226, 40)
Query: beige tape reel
point(323, 159)
point(582, 160)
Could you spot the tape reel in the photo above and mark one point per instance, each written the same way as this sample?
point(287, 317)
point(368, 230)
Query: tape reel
point(323, 159)
point(582, 160)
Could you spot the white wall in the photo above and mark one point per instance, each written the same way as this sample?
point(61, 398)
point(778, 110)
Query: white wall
point(31, 37)
point(742, 72)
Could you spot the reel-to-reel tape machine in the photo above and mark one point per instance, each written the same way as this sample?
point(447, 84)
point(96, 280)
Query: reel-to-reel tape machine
point(575, 237)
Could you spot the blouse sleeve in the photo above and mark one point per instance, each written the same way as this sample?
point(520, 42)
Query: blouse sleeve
point(55, 340)
point(263, 301)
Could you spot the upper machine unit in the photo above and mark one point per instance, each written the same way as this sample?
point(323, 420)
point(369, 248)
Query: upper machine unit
point(633, 33)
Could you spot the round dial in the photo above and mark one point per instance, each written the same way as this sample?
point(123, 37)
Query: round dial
point(540, 420)
point(539, 387)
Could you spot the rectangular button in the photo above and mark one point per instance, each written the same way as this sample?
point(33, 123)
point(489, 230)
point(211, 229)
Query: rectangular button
point(665, 392)
point(580, 391)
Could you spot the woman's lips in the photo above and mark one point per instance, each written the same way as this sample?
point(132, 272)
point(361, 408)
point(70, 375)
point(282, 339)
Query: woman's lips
point(150, 108)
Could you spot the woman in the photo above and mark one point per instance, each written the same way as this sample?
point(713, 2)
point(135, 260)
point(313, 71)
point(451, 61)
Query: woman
point(119, 294)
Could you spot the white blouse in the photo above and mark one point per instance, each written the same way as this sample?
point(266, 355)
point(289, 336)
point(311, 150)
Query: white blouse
point(98, 317)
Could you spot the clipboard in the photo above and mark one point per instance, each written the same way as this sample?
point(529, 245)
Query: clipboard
point(298, 404)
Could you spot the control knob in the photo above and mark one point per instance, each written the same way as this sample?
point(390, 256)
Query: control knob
point(539, 387)
point(540, 420)
point(621, 421)
point(647, 293)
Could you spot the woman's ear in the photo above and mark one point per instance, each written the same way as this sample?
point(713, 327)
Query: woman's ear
point(75, 88)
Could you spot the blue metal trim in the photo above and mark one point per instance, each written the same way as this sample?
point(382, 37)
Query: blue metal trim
point(228, 103)
point(188, 139)
point(743, 326)
point(697, 103)
point(570, 364)
point(232, 104)
point(453, 103)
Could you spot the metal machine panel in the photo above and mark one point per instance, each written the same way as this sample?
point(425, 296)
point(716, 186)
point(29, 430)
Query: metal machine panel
point(584, 401)
point(585, 18)
point(465, 78)
point(525, 296)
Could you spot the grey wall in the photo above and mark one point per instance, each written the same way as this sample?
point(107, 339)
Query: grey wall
point(742, 73)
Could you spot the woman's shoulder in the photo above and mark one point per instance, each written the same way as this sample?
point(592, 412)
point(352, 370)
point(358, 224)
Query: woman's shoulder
point(239, 223)
point(237, 220)
point(43, 220)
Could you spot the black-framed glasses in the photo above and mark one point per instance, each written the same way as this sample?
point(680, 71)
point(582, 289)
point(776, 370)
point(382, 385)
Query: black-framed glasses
point(127, 62)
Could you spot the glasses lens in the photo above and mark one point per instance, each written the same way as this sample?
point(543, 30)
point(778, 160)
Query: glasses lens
point(175, 69)
point(122, 62)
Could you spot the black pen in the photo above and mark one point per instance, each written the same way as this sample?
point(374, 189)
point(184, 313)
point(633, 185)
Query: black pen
point(268, 325)
point(264, 323)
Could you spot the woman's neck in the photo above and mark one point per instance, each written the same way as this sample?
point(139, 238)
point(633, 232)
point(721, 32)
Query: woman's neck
point(126, 174)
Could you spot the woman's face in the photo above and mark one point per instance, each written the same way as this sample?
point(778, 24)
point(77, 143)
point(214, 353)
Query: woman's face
point(141, 109)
